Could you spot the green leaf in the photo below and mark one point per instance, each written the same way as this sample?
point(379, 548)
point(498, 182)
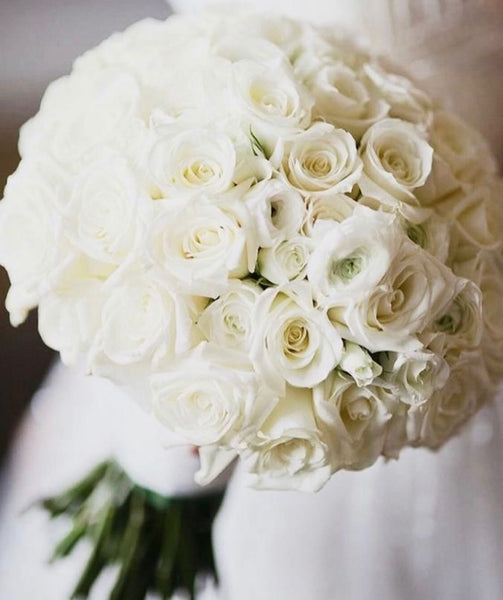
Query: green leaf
point(257, 147)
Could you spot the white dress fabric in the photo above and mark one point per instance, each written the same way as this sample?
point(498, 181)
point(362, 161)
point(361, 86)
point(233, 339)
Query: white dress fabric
point(427, 526)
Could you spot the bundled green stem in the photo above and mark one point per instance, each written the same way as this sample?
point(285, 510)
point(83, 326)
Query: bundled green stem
point(160, 544)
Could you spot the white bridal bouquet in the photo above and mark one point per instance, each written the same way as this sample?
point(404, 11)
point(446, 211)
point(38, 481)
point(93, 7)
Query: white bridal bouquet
point(283, 248)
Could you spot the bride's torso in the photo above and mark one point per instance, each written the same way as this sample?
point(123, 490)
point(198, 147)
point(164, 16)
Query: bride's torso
point(426, 526)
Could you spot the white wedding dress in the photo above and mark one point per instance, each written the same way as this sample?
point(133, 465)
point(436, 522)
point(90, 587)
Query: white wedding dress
point(427, 526)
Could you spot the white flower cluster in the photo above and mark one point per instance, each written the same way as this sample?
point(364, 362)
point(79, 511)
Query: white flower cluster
point(285, 247)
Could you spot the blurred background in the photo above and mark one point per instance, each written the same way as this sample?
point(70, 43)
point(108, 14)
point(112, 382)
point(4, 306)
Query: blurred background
point(455, 47)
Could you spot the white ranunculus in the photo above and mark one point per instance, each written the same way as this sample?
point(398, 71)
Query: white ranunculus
point(227, 322)
point(192, 162)
point(200, 245)
point(359, 364)
point(30, 239)
point(462, 148)
point(413, 376)
point(405, 100)
point(274, 103)
point(211, 397)
point(396, 160)
point(343, 99)
point(415, 291)
point(467, 388)
point(289, 451)
point(355, 420)
point(285, 261)
point(336, 207)
point(323, 159)
point(277, 210)
point(108, 211)
point(351, 258)
point(293, 342)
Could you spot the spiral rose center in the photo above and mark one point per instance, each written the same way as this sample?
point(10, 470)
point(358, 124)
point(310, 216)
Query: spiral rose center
point(201, 172)
point(272, 102)
point(320, 164)
point(359, 410)
point(202, 240)
point(394, 162)
point(295, 338)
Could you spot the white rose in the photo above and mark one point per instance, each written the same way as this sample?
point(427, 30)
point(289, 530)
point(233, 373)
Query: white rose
point(323, 159)
point(289, 451)
point(477, 216)
point(405, 100)
point(413, 376)
point(415, 290)
point(143, 323)
point(352, 257)
point(277, 209)
point(193, 161)
point(81, 112)
point(343, 99)
point(467, 388)
point(67, 321)
point(146, 47)
point(278, 30)
point(227, 322)
point(210, 397)
point(69, 315)
point(459, 326)
point(31, 243)
point(317, 48)
point(355, 419)
point(396, 160)
point(285, 261)
point(491, 285)
point(293, 342)
point(431, 234)
point(462, 148)
point(210, 244)
point(336, 207)
point(108, 210)
point(358, 363)
point(273, 102)
point(242, 45)
point(441, 183)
